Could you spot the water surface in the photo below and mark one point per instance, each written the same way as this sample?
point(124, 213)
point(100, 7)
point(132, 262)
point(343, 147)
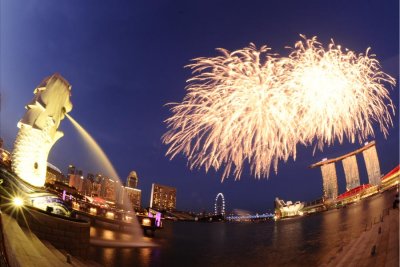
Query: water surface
point(302, 241)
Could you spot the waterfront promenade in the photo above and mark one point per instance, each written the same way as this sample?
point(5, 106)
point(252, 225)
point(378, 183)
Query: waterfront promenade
point(302, 241)
point(24, 248)
point(378, 245)
point(314, 240)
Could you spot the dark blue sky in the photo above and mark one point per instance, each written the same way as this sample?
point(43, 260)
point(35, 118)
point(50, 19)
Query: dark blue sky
point(125, 61)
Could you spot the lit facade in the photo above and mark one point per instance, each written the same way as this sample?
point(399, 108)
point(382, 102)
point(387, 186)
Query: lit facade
point(91, 177)
point(86, 187)
point(71, 169)
point(132, 180)
point(120, 194)
point(350, 167)
point(96, 189)
point(163, 197)
point(108, 189)
point(329, 181)
point(372, 165)
point(53, 174)
point(134, 196)
point(76, 181)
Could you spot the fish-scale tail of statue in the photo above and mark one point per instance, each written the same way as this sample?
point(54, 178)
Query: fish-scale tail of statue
point(38, 129)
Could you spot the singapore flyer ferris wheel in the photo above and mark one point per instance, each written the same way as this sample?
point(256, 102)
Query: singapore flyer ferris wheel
point(219, 206)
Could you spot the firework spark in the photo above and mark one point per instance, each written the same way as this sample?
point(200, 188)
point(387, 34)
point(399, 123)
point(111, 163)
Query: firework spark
point(251, 105)
point(337, 93)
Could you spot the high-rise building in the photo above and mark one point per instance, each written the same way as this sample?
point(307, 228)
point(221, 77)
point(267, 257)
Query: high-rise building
point(350, 167)
point(108, 189)
point(329, 181)
point(372, 164)
point(132, 180)
point(119, 194)
point(53, 174)
point(91, 177)
point(96, 189)
point(352, 175)
point(71, 169)
point(99, 178)
point(76, 181)
point(134, 196)
point(87, 187)
point(163, 197)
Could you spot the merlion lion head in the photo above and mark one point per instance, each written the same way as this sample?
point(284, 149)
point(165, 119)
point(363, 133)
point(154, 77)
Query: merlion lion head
point(50, 104)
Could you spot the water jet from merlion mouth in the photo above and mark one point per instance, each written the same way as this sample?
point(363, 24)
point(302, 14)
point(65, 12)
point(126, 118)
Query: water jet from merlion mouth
point(103, 160)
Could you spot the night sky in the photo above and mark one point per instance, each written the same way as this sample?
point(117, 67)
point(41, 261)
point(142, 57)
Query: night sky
point(125, 61)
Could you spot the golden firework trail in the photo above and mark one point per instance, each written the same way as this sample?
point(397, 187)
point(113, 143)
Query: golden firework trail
point(252, 105)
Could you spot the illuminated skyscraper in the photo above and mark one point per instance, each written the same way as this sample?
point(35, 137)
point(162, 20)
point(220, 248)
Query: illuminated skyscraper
point(53, 174)
point(96, 189)
point(163, 197)
point(71, 169)
point(134, 196)
point(350, 167)
point(108, 189)
point(372, 164)
point(87, 187)
point(132, 180)
point(329, 180)
point(91, 177)
point(76, 181)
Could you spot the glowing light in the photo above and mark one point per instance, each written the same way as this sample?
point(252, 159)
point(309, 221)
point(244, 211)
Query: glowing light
point(110, 214)
point(251, 105)
point(18, 202)
point(93, 211)
point(146, 222)
point(221, 206)
point(76, 206)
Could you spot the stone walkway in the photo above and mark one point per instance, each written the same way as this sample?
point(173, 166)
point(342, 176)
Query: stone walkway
point(23, 248)
point(377, 246)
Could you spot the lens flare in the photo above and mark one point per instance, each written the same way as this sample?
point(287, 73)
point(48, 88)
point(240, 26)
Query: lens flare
point(253, 106)
point(18, 202)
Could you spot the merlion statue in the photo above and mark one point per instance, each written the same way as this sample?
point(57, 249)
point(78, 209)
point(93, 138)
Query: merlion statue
point(38, 129)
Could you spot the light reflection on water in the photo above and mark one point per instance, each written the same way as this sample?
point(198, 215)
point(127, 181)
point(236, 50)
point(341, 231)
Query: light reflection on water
point(302, 241)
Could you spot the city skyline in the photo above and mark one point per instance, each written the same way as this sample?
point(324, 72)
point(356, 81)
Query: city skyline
point(125, 62)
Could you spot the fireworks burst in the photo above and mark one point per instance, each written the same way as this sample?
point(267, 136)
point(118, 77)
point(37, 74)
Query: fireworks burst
point(251, 105)
point(337, 93)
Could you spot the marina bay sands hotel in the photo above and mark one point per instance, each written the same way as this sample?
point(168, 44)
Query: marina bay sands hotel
point(350, 166)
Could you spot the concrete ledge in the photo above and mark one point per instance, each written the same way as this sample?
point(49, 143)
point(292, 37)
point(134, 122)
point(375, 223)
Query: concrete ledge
point(68, 234)
point(22, 250)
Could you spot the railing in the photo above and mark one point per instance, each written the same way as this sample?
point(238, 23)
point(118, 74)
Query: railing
point(376, 219)
point(250, 217)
